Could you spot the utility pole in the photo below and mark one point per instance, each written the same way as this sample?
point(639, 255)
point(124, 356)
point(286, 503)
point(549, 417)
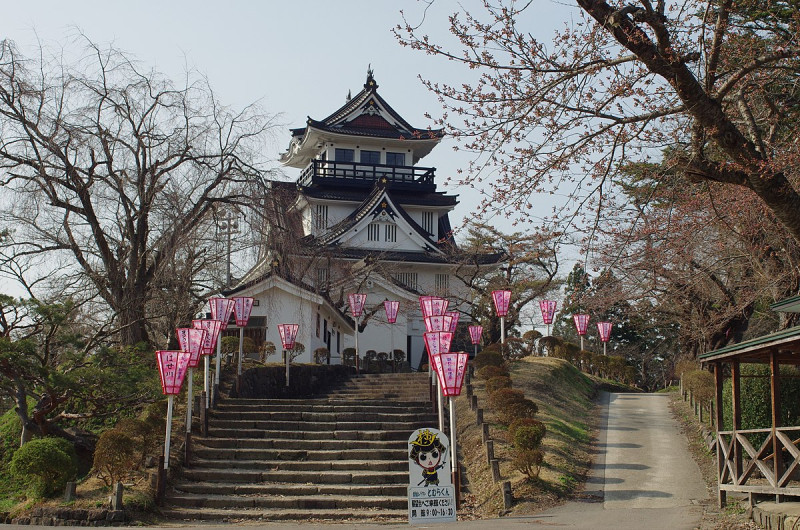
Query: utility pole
point(228, 225)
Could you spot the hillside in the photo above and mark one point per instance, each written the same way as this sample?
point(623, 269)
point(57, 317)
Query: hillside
point(565, 397)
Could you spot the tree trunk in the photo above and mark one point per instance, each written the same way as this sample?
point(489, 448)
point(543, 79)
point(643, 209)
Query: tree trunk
point(132, 320)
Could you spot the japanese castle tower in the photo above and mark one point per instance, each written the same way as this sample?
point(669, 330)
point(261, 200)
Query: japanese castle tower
point(363, 217)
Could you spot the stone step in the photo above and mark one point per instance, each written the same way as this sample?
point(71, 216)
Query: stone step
point(347, 452)
point(300, 465)
point(312, 477)
point(308, 440)
point(308, 404)
point(390, 490)
point(306, 515)
point(316, 417)
point(309, 502)
point(339, 406)
point(244, 426)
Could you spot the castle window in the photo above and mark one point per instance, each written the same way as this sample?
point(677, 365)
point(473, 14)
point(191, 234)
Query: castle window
point(321, 216)
point(373, 232)
point(322, 278)
point(409, 279)
point(427, 222)
point(370, 157)
point(344, 155)
point(395, 159)
point(390, 233)
point(442, 283)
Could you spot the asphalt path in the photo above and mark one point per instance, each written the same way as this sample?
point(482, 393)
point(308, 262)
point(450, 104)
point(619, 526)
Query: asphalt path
point(643, 477)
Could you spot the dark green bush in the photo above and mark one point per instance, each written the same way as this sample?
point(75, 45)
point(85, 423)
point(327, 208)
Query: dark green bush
point(755, 400)
point(146, 433)
point(700, 383)
point(527, 437)
point(509, 404)
point(496, 383)
point(10, 434)
point(114, 456)
point(488, 358)
point(45, 465)
point(488, 372)
point(516, 424)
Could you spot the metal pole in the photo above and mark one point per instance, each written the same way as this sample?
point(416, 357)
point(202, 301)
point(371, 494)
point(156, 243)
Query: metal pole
point(228, 263)
point(502, 335)
point(218, 365)
point(286, 355)
point(454, 450)
point(189, 402)
point(241, 349)
point(169, 431)
point(357, 369)
point(581, 342)
point(604, 348)
point(440, 402)
point(206, 380)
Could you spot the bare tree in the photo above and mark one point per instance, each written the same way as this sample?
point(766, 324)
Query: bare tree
point(113, 170)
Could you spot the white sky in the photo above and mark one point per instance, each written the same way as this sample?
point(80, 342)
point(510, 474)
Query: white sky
point(298, 58)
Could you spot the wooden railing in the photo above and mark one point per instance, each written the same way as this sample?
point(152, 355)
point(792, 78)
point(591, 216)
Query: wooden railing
point(760, 461)
point(365, 175)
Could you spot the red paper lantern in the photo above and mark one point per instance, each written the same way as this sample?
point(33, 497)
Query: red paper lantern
point(454, 320)
point(581, 323)
point(433, 306)
point(548, 309)
point(242, 306)
point(172, 366)
point(191, 340)
point(450, 369)
point(391, 306)
point(438, 323)
point(502, 299)
point(288, 334)
point(357, 302)
point(221, 309)
point(213, 328)
point(604, 328)
point(475, 333)
point(437, 342)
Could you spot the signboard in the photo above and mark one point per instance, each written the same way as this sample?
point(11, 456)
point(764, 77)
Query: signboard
point(431, 495)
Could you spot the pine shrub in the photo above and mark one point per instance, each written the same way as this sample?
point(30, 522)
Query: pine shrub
point(488, 372)
point(528, 461)
point(45, 465)
point(496, 383)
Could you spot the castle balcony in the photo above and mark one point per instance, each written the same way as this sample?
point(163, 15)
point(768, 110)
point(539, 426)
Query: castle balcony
point(356, 175)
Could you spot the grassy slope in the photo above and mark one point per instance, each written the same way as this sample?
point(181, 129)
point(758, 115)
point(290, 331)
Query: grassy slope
point(565, 397)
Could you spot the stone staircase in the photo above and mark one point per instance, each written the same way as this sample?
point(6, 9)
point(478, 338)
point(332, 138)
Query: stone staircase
point(342, 456)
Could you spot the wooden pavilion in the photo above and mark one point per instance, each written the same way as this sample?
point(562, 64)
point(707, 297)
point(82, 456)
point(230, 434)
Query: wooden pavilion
point(762, 461)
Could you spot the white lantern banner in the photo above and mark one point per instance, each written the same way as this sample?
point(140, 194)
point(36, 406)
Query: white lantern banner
point(213, 328)
point(242, 306)
point(391, 307)
point(453, 320)
point(438, 323)
point(191, 340)
point(604, 328)
point(221, 309)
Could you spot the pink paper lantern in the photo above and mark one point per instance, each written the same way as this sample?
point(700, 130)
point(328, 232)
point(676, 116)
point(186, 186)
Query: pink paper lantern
point(213, 328)
point(548, 309)
point(391, 306)
point(438, 323)
point(475, 333)
point(172, 366)
point(357, 302)
point(502, 299)
point(433, 306)
point(242, 306)
point(451, 367)
point(191, 340)
point(288, 335)
point(221, 309)
point(604, 328)
point(581, 322)
point(437, 342)
point(454, 320)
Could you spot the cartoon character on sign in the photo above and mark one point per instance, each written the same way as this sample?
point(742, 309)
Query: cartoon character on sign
point(427, 451)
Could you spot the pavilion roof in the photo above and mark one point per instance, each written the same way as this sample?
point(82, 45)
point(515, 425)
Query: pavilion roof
point(785, 342)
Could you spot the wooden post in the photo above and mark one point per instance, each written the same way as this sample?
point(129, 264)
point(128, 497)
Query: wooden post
point(508, 498)
point(485, 432)
point(203, 414)
point(775, 398)
point(187, 453)
point(479, 415)
point(161, 481)
point(495, 465)
point(489, 451)
point(719, 422)
point(736, 396)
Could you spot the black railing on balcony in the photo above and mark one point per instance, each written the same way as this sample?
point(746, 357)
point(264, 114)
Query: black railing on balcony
point(353, 174)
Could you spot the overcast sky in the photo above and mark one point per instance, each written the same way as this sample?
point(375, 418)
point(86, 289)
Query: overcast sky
point(296, 57)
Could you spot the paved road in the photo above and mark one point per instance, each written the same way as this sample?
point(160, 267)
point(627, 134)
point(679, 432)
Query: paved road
point(643, 478)
point(644, 475)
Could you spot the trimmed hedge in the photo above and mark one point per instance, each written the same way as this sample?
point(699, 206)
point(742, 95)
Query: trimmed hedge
point(45, 465)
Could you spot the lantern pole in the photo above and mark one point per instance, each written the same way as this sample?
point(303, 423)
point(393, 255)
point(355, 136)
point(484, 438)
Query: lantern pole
point(168, 434)
point(454, 451)
point(206, 381)
point(241, 352)
point(189, 402)
point(218, 367)
point(358, 318)
point(286, 356)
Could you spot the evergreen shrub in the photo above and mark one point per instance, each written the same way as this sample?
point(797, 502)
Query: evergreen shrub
point(45, 465)
point(114, 456)
point(496, 383)
point(488, 372)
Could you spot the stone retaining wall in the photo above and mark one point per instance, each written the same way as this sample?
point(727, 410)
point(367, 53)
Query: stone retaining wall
point(47, 516)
